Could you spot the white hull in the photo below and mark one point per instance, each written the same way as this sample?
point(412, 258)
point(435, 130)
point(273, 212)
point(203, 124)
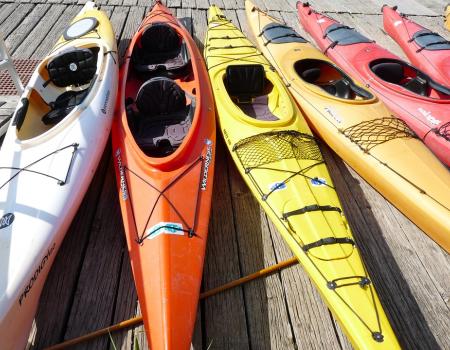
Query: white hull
point(43, 207)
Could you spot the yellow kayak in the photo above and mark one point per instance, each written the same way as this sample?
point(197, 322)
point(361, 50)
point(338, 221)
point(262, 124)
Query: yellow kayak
point(279, 159)
point(360, 129)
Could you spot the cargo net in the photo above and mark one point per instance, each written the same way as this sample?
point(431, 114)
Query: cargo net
point(274, 146)
point(444, 131)
point(372, 133)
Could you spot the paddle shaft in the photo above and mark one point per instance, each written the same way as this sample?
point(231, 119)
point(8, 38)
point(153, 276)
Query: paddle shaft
point(137, 320)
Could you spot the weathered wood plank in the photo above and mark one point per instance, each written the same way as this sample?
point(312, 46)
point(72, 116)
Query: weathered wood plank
point(200, 24)
point(267, 315)
point(224, 320)
point(97, 285)
point(40, 31)
point(134, 19)
point(29, 22)
point(58, 293)
point(13, 20)
point(202, 4)
point(6, 10)
point(174, 3)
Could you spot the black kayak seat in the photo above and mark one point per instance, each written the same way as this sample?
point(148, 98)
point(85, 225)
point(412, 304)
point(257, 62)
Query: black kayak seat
point(247, 85)
point(344, 35)
point(431, 41)
point(245, 81)
point(162, 119)
point(340, 88)
point(160, 48)
point(392, 72)
point(311, 75)
point(280, 33)
point(63, 105)
point(73, 67)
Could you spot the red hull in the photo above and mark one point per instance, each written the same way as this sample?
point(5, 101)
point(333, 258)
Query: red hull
point(429, 117)
point(436, 63)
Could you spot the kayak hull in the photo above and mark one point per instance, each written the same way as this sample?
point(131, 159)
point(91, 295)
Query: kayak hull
point(43, 181)
point(165, 202)
point(436, 63)
point(317, 105)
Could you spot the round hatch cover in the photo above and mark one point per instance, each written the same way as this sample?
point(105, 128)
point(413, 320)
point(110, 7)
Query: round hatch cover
point(80, 28)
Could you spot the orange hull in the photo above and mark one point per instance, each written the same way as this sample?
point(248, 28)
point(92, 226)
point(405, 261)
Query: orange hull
point(166, 201)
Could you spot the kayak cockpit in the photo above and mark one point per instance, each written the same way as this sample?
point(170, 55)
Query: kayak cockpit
point(400, 73)
point(330, 79)
point(62, 83)
point(160, 91)
point(252, 92)
point(160, 49)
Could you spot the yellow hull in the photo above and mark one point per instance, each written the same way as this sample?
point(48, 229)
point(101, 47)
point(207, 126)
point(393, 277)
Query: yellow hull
point(401, 168)
point(281, 163)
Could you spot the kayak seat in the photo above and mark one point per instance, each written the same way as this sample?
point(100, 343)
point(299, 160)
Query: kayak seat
point(417, 85)
point(339, 88)
point(329, 78)
point(72, 67)
point(246, 85)
point(63, 105)
point(162, 119)
point(428, 40)
point(160, 48)
point(393, 72)
point(344, 35)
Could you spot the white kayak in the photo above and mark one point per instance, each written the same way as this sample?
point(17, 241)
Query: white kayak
point(48, 158)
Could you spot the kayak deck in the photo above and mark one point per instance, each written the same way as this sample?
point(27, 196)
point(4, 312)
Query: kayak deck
point(91, 286)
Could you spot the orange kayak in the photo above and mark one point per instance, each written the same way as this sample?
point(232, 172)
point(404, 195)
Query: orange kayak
point(163, 147)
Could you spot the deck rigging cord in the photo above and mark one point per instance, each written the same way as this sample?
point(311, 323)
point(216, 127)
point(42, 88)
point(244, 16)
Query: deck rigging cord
point(60, 182)
point(190, 230)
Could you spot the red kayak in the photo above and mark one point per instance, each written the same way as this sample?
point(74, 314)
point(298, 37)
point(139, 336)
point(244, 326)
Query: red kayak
point(411, 94)
point(163, 139)
point(427, 50)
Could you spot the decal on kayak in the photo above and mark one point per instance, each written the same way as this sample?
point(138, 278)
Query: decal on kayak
point(6, 220)
point(36, 274)
point(105, 104)
point(277, 186)
point(317, 181)
point(167, 228)
point(431, 119)
point(207, 162)
point(333, 114)
point(123, 181)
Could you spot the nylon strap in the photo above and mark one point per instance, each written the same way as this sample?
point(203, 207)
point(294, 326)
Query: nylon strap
point(328, 241)
point(309, 208)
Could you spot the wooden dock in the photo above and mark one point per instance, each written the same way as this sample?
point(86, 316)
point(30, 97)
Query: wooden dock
point(90, 285)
